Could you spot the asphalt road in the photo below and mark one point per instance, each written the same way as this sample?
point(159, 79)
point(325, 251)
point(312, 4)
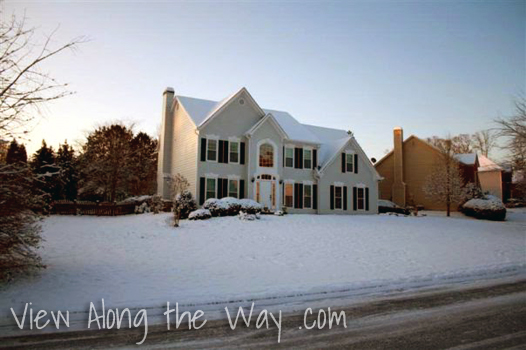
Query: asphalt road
point(490, 317)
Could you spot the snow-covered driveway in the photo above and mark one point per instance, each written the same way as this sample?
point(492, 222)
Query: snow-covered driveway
point(140, 260)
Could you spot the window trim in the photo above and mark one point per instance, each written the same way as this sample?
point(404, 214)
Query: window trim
point(341, 197)
point(237, 186)
point(347, 154)
point(291, 184)
point(304, 196)
point(285, 155)
point(305, 158)
point(230, 143)
point(207, 150)
point(206, 187)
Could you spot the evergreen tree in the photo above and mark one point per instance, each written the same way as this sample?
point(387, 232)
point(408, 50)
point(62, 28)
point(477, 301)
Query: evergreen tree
point(143, 165)
point(68, 176)
point(46, 171)
point(16, 153)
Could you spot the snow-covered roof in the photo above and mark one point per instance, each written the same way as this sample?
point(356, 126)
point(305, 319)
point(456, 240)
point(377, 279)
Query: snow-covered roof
point(486, 164)
point(330, 140)
point(466, 158)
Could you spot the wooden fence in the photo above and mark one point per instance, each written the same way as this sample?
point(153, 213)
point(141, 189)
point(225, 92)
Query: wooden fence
point(64, 207)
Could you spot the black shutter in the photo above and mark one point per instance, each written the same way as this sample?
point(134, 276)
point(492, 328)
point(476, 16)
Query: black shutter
point(343, 162)
point(283, 156)
point(219, 188)
point(367, 198)
point(300, 188)
point(332, 197)
point(314, 196)
point(203, 149)
point(201, 191)
point(356, 164)
point(354, 198)
point(344, 197)
point(226, 153)
point(300, 152)
point(296, 158)
point(295, 195)
point(241, 189)
point(242, 155)
point(314, 159)
point(220, 151)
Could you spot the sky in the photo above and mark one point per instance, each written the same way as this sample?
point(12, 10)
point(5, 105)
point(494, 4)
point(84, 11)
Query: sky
point(432, 67)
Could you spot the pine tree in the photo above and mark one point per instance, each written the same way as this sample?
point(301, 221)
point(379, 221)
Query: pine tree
point(143, 165)
point(68, 176)
point(16, 153)
point(46, 171)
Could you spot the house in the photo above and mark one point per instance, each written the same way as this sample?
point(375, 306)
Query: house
point(235, 148)
point(406, 168)
point(490, 177)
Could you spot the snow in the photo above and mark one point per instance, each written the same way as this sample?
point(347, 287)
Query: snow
point(142, 261)
point(489, 203)
point(386, 203)
point(294, 129)
point(486, 164)
point(199, 214)
point(466, 158)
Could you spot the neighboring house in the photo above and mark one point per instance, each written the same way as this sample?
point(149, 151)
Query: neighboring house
point(490, 176)
point(406, 168)
point(234, 148)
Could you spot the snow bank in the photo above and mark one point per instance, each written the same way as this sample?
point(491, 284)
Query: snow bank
point(200, 214)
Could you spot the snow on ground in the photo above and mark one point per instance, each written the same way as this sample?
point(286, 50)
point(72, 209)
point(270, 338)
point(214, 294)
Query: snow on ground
point(139, 260)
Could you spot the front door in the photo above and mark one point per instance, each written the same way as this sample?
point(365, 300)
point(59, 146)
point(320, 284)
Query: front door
point(265, 193)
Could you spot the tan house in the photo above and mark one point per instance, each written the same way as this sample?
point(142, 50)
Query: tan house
point(406, 168)
point(490, 176)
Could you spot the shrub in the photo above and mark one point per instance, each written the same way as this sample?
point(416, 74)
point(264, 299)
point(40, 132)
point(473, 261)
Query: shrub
point(216, 207)
point(248, 217)
point(385, 206)
point(185, 204)
point(250, 206)
point(156, 204)
point(200, 214)
point(489, 208)
point(230, 205)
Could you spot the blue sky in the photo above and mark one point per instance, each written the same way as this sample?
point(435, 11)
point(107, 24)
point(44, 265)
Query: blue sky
point(434, 68)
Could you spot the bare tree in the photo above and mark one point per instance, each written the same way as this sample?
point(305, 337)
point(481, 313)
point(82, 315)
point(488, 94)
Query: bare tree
point(445, 184)
point(179, 184)
point(514, 130)
point(24, 87)
point(458, 144)
point(484, 141)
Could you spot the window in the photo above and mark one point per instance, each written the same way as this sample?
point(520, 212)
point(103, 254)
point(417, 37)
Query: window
point(289, 195)
point(234, 151)
point(360, 198)
point(338, 193)
point(307, 158)
point(349, 162)
point(307, 196)
point(211, 150)
point(266, 155)
point(289, 157)
point(233, 188)
point(210, 188)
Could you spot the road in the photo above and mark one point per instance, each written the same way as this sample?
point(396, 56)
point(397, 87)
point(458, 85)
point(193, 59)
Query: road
point(489, 317)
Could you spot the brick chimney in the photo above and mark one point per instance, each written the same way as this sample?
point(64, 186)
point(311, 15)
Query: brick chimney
point(164, 159)
point(398, 171)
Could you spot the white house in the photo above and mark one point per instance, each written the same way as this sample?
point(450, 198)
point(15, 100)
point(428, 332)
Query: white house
point(235, 148)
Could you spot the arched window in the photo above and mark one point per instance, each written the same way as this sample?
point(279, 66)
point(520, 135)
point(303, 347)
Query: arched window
point(266, 155)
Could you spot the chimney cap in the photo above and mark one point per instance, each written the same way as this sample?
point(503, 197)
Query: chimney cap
point(169, 89)
point(397, 128)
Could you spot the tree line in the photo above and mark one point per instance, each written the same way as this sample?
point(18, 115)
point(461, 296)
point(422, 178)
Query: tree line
point(113, 163)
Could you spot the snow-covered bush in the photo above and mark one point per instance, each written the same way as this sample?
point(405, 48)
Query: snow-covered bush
point(216, 207)
point(231, 205)
point(385, 206)
point(489, 208)
point(248, 217)
point(185, 204)
point(156, 204)
point(143, 208)
point(250, 206)
point(278, 213)
point(200, 214)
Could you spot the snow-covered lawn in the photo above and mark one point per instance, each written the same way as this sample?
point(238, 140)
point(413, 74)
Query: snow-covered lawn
point(139, 260)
